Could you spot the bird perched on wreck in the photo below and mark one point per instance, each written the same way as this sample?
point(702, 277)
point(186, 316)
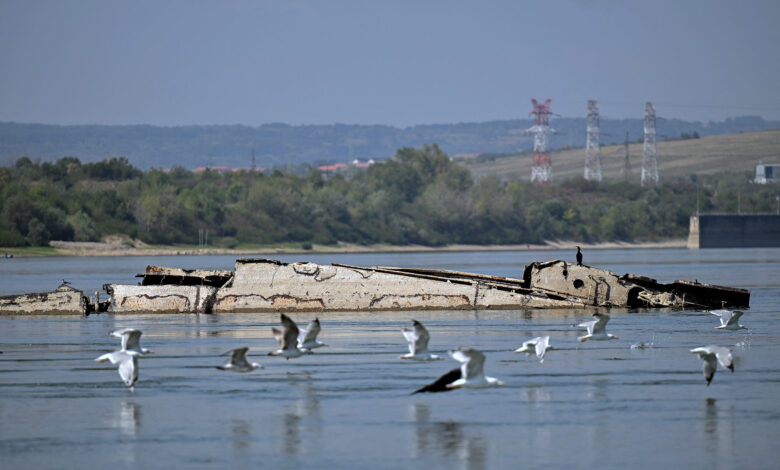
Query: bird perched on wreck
point(307, 339)
point(539, 345)
point(418, 338)
point(712, 355)
point(579, 256)
point(729, 319)
point(470, 374)
point(131, 340)
point(288, 339)
point(597, 329)
point(127, 362)
point(238, 361)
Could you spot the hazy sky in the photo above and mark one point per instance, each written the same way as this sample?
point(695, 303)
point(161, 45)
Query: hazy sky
point(390, 62)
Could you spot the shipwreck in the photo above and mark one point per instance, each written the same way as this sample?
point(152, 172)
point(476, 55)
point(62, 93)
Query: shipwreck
point(264, 285)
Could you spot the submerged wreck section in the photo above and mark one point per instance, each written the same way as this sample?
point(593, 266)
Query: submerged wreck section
point(599, 287)
point(268, 285)
point(64, 300)
point(258, 285)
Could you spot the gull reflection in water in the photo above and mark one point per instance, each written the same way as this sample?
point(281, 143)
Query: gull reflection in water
point(718, 432)
point(128, 419)
point(307, 406)
point(447, 437)
point(536, 393)
point(601, 409)
point(540, 437)
point(241, 430)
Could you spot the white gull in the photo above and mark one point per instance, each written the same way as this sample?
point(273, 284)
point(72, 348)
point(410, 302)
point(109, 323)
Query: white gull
point(307, 339)
point(597, 329)
point(538, 345)
point(287, 338)
point(712, 355)
point(470, 374)
point(131, 340)
point(238, 361)
point(729, 319)
point(127, 362)
point(418, 338)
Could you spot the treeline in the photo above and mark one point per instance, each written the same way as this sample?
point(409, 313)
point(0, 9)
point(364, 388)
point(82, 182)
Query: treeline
point(418, 197)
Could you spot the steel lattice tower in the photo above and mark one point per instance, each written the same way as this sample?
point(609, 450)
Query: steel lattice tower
point(627, 160)
point(649, 154)
point(541, 170)
point(592, 150)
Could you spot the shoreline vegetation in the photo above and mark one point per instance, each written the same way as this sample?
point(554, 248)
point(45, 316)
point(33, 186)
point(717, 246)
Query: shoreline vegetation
point(420, 200)
point(114, 248)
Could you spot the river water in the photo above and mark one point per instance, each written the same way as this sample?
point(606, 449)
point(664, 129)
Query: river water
point(349, 405)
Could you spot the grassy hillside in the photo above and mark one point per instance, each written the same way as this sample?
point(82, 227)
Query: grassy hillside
point(707, 155)
point(281, 145)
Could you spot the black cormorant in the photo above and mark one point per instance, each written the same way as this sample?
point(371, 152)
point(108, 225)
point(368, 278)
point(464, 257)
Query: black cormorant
point(579, 257)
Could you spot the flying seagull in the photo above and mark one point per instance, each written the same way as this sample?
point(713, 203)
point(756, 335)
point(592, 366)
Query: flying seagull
point(418, 338)
point(711, 355)
point(307, 339)
point(597, 329)
point(470, 374)
point(729, 319)
point(538, 345)
point(131, 340)
point(128, 365)
point(238, 362)
point(288, 339)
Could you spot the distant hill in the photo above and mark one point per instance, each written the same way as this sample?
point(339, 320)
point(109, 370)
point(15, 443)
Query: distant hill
point(281, 144)
point(707, 155)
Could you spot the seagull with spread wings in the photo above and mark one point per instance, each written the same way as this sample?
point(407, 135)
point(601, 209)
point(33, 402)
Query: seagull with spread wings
point(470, 374)
point(307, 339)
point(539, 345)
point(287, 338)
point(597, 329)
point(418, 338)
point(712, 355)
point(238, 361)
point(729, 319)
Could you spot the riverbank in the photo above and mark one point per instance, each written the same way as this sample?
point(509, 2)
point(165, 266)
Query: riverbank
point(112, 248)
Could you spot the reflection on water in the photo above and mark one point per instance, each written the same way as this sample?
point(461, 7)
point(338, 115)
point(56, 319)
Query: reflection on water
point(448, 438)
point(536, 393)
point(718, 432)
point(602, 414)
point(241, 430)
point(128, 419)
point(307, 406)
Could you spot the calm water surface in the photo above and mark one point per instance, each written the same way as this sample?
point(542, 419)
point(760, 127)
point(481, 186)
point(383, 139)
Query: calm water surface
point(348, 406)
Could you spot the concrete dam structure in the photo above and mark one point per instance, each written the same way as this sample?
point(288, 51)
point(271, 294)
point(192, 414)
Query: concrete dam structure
point(734, 231)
